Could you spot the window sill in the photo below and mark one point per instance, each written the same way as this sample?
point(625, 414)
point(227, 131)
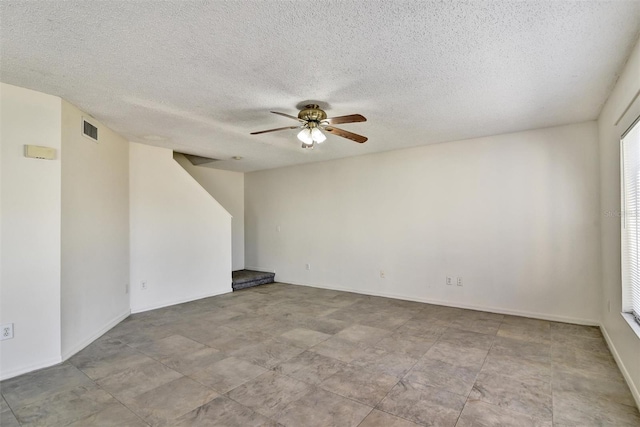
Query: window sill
point(632, 323)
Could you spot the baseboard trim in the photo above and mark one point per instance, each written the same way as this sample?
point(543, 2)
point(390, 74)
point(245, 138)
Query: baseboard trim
point(175, 302)
point(625, 373)
point(498, 310)
point(82, 344)
point(266, 270)
point(30, 368)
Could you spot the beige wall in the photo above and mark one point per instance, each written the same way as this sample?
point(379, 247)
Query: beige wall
point(95, 231)
point(180, 235)
point(65, 246)
point(623, 342)
point(29, 231)
point(227, 188)
point(516, 216)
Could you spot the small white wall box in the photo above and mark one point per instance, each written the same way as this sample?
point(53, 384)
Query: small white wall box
point(38, 152)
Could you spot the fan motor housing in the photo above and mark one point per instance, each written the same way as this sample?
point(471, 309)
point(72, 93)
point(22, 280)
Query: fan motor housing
point(312, 112)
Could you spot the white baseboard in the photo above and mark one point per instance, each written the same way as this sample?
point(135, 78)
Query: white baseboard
point(179, 301)
point(85, 342)
point(30, 368)
point(498, 310)
point(76, 348)
point(73, 350)
point(268, 270)
point(621, 365)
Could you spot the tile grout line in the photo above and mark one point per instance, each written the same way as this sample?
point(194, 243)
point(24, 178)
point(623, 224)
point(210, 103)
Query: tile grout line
point(11, 409)
point(509, 409)
point(347, 363)
point(365, 417)
point(155, 360)
point(220, 393)
point(478, 373)
point(110, 394)
point(439, 338)
point(295, 400)
point(405, 374)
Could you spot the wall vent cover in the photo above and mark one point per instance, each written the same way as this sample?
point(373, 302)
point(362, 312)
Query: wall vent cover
point(89, 130)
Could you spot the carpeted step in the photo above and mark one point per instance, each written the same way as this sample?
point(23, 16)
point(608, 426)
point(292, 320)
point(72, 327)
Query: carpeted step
point(242, 279)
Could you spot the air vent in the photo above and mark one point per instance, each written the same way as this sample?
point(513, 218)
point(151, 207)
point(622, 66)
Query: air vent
point(89, 130)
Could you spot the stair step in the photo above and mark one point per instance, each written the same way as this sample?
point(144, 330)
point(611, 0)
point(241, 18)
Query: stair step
point(242, 279)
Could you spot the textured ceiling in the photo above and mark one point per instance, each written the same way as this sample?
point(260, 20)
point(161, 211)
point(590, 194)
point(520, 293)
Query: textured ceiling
point(202, 75)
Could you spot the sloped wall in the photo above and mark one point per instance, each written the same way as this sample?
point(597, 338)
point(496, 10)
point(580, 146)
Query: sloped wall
point(180, 236)
point(227, 188)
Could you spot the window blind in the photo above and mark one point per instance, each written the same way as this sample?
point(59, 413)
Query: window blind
point(631, 221)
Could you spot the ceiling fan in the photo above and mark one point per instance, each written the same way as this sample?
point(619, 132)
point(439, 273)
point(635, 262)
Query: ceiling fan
point(313, 120)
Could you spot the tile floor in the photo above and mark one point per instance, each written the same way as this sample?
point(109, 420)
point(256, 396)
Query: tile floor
point(299, 356)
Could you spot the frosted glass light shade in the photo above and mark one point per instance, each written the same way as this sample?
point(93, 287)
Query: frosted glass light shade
point(317, 135)
point(305, 136)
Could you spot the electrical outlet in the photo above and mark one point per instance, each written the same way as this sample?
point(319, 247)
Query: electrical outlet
point(7, 331)
point(143, 285)
point(449, 281)
point(307, 266)
point(382, 275)
point(459, 281)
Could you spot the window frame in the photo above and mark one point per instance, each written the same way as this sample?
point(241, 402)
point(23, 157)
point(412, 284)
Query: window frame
point(633, 320)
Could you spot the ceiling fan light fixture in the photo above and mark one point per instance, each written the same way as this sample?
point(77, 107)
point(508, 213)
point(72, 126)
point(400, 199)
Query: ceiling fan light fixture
point(311, 136)
point(305, 136)
point(312, 121)
point(317, 135)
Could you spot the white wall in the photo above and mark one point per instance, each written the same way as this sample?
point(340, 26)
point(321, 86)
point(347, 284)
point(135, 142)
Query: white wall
point(95, 231)
point(227, 188)
point(180, 236)
point(515, 215)
point(623, 342)
point(30, 231)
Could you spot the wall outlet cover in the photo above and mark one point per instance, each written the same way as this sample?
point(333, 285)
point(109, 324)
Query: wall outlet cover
point(6, 331)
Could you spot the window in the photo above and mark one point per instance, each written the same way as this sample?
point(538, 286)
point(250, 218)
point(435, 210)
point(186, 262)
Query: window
point(630, 151)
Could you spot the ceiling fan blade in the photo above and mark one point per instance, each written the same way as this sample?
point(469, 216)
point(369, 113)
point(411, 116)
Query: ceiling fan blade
point(352, 118)
point(274, 130)
point(346, 134)
point(288, 115)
